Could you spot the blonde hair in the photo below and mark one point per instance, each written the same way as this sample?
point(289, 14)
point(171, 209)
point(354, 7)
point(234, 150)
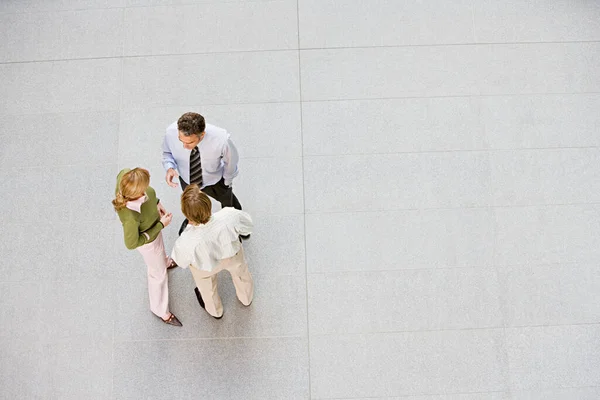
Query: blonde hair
point(195, 205)
point(133, 185)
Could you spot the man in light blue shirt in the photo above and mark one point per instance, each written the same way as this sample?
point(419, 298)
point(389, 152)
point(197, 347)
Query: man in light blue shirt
point(200, 153)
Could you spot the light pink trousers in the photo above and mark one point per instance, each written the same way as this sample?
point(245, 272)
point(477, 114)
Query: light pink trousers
point(158, 281)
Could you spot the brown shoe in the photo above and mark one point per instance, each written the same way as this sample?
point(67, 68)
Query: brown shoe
point(172, 320)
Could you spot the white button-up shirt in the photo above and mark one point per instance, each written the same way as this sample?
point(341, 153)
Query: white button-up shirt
point(203, 246)
point(218, 155)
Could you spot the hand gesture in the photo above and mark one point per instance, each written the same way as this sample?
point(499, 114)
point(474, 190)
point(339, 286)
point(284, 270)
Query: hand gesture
point(166, 219)
point(171, 173)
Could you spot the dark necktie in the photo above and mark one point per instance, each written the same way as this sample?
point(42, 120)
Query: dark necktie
point(195, 167)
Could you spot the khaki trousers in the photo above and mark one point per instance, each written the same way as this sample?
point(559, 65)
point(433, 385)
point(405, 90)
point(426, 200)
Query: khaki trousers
point(158, 281)
point(206, 281)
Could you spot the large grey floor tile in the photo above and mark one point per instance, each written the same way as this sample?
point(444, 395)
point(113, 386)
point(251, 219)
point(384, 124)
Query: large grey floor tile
point(395, 364)
point(277, 245)
point(258, 26)
point(589, 393)
point(210, 79)
point(539, 68)
point(35, 251)
point(362, 302)
point(78, 369)
point(21, 370)
point(449, 71)
point(133, 268)
point(73, 310)
point(371, 73)
point(34, 194)
point(534, 21)
point(274, 368)
point(260, 130)
point(60, 139)
point(142, 131)
point(549, 176)
point(547, 234)
point(93, 252)
point(19, 310)
point(396, 181)
point(394, 240)
point(95, 189)
point(61, 35)
point(342, 23)
point(551, 294)
point(538, 121)
point(56, 5)
point(60, 86)
point(392, 125)
point(270, 185)
point(553, 356)
point(278, 309)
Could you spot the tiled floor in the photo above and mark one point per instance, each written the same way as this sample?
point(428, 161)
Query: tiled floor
point(424, 177)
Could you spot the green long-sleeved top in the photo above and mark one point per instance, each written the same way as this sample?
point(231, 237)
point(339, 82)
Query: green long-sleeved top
point(136, 224)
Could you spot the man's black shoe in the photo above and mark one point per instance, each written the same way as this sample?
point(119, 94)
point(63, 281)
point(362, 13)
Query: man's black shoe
point(199, 297)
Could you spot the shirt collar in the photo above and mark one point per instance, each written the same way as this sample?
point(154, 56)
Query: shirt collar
point(136, 205)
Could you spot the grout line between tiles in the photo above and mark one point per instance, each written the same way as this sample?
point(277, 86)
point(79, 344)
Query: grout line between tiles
point(118, 278)
point(400, 270)
point(349, 99)
point(499, 328)
point(340, 155)
point(497, 150)
point(308, 360)
point(305, 49)
point(464, 44)
point(483, 207)
point(233, 52)
point(209, 338)
point(345, 272)
point(449, 96)
point(370, 333)
point(411, 395)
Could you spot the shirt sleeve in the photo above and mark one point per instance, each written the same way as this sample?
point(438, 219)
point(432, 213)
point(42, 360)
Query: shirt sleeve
point(133, 237)
point(230, 161)
point(168, 161)
point(181, 255)
point(244, 224)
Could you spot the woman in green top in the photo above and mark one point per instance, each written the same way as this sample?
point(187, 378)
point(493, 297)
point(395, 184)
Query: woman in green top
point(143, 217)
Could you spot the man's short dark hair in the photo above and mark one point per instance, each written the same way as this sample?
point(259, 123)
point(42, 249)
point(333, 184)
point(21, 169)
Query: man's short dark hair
point(191, 123)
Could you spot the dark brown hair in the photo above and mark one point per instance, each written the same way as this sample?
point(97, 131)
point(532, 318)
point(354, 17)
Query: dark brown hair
point(195, 205)
point(191, 123)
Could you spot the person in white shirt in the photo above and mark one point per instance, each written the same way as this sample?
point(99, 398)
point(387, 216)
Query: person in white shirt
point(210, 244)
point(200, 153)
